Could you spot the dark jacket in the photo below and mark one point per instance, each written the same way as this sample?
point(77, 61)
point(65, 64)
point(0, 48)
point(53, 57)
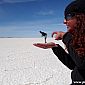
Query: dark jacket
point(71, 60)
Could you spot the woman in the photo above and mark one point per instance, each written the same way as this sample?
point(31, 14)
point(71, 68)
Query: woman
point(74, 39)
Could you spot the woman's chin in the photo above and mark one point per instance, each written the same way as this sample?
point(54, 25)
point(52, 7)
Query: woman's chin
point(70, 30)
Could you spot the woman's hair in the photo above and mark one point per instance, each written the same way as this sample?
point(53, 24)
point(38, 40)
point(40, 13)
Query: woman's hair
point(77, 7)
point(78, 40)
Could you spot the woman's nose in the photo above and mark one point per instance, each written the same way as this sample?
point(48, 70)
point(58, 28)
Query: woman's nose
point(64, 21)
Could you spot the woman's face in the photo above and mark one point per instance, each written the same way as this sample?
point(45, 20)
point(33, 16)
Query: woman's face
point(70, 23)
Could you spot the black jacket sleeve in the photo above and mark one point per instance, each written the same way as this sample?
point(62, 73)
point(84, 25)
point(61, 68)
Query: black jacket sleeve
point(63, 57)
point(79, 61)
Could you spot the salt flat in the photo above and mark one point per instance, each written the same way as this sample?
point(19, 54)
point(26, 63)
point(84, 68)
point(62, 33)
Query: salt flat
point(21, 63)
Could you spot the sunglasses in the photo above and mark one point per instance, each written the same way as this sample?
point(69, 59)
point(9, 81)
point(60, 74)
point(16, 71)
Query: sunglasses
point(69, 16)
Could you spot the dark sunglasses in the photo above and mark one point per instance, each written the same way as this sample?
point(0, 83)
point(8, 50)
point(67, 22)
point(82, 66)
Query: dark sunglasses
point(69, 16)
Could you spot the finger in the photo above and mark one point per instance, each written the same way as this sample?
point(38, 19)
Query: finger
point(58, 36)
point(35, 44)
point(54, 33)
point(40, 45)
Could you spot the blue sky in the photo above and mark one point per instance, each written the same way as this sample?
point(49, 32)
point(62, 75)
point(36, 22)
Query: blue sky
point(25, 18)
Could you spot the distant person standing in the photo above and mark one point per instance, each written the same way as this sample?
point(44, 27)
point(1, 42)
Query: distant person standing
point(74, 39)
point(44, 35)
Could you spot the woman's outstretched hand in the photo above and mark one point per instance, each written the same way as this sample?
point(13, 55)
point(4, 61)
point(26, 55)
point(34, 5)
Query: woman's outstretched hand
point(58, 35)
point(45, 45)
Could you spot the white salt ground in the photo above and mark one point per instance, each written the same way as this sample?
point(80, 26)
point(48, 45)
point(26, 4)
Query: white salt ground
point(21, 63)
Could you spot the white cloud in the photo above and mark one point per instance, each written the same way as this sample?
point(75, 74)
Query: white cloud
point(15, 1)
point(46, 13)
point(47, 25)
point(28, 27)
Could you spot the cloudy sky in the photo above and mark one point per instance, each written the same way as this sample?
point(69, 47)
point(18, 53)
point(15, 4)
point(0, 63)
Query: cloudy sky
point(25, 18)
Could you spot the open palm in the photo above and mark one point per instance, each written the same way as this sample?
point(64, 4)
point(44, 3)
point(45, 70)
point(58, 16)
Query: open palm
point(45, 45)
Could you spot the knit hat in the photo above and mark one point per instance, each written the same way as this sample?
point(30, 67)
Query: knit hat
point(75, 7)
